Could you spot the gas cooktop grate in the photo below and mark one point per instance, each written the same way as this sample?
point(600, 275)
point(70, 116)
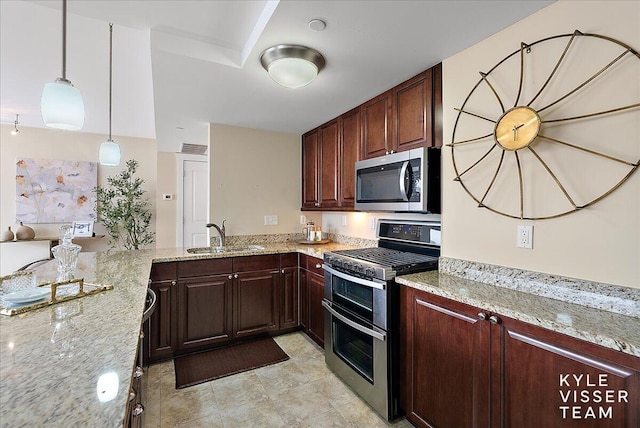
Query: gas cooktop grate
point(386, 257)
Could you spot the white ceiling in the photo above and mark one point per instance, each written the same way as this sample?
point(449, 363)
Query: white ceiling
point(184, 64)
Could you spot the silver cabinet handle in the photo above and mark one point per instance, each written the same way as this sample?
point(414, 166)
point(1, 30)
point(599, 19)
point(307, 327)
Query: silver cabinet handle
point(235, 275)
point(369, 283)
point(138, 373)
point(482, 316)
point(275, 271)
point(132, 394)
point(230, 276)
point(150, 281)
point(137, 410)
point(174, 282)
point(494, 319)
point(353, 324)
point(318, 265)
point(282, 271)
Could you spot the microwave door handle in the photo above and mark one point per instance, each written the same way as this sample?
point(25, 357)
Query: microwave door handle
point(353, 324)
point(403, 189)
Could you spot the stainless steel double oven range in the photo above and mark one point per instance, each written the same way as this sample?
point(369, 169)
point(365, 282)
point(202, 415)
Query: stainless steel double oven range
point(361, 307)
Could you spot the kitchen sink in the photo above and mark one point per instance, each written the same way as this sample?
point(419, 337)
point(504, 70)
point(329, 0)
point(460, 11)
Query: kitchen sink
point(225, 249)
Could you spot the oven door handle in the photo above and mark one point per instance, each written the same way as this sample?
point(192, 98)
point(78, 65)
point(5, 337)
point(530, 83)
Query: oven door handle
point(353, 324)
point(357, 280)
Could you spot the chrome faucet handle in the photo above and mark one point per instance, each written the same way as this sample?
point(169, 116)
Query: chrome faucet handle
point(223, 221)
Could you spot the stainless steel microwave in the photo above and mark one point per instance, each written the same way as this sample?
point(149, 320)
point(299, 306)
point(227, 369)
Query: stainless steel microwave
point(407, 181)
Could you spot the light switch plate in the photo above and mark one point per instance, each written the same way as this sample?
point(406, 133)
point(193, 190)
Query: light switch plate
point(167, 196)
point(303, 219)
point(344, 220)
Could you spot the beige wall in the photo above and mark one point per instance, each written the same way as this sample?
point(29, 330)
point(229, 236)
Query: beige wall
point(42, 143)
point(254, 173)
point(166, 210)
point(599, 243)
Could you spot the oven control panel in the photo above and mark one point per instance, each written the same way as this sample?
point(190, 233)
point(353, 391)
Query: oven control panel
point(359, 268)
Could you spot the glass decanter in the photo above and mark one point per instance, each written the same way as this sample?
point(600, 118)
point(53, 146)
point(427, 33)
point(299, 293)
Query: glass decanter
point(66, 254)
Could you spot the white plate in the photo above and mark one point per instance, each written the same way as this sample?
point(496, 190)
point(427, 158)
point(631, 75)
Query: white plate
point(26, 296)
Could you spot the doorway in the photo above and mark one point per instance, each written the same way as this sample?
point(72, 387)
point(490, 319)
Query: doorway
point(193, 203)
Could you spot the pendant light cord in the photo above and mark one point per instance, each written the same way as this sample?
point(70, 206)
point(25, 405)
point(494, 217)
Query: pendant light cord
point(64, 39)
point(110, 72)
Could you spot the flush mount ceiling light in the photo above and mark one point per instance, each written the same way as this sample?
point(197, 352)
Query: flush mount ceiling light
point(110, 151)
point(61, 104)
point(292, 66)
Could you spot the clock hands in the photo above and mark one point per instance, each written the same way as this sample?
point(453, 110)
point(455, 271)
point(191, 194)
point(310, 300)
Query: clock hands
point(515, 131)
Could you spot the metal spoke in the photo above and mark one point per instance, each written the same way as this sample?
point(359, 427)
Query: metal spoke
point(586, 82)
point(544, 164)
point(553, 72)
point(484, 77)
point(472, 140)
point(477, 162)
point(523, 45)
point(475, 115)
point(600, 113)
point(521, 185)
point(593, 152)
point(481, 203)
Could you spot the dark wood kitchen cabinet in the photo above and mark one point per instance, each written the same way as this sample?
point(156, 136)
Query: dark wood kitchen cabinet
point(310, 170)
point(468, 367)
point(160, 338)
point(413, 113)
point(320, 176)
point(289, 289)
point(311, 295)
point(377, 126)
point(349, 148)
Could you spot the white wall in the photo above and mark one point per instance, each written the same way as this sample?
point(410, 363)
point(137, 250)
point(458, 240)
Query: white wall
point(254, 173)
point(598, 243)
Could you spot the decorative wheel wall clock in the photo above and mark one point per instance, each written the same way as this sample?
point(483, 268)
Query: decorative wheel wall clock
point(552, 128)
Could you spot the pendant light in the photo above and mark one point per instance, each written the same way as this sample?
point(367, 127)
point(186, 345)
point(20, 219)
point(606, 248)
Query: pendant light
point(110, 151)
point(61, 103)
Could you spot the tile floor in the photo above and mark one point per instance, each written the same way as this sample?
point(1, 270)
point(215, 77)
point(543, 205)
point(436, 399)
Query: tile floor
point(299, 392)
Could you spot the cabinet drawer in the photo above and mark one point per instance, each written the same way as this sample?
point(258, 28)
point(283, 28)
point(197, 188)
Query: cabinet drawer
point(314, 265)
point(163, 271)
point(252, 263)
point(289, 260)
point(191, 268)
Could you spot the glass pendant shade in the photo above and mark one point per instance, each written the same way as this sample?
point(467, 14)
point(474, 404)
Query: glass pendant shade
point(292, 72)
point(62, 106)
point(109, 153)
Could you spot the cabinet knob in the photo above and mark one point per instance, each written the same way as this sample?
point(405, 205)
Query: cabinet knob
point(494, 319)
point(230, 276)
point(174, 282)
point(150, 281)
point(138, 373)
point(137, 410)
point(318, 265)
point(482, 316)
point(235, 275)
point(132, 395)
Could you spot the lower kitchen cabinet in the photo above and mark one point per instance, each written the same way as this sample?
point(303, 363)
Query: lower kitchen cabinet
point(289, 288)
point(204, 311)
point(256, 302)
point(467, 367)
point(160, 339)
point(311, 295)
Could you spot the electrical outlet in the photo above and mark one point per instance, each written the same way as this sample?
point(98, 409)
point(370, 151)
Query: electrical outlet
point(525, 236)
point(372, 223)
point(303, 219)
point(270, 220)
point(344, 220)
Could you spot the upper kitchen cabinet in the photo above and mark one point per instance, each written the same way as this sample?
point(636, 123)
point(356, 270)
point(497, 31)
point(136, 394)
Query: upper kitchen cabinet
point(412, 113)
point(329, 154)
point(377, 129)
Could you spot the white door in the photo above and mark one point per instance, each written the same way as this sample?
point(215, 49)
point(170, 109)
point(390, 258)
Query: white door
point(195, 203)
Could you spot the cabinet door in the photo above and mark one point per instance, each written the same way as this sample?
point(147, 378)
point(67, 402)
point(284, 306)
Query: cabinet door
point(546, 379)
point(413, 112)
point(304, 299)
point(289, 298)
point(329, 165)
point(256, 302)
point(204, 311)
point(316, 311)
point(160, 334)
point(310, 168)
point(436, 134)
point(447, 362)
point(349, 147)
point(377, 126)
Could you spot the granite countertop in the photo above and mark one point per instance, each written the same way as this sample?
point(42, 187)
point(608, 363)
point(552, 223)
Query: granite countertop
point(603, 327)
point(52, 359)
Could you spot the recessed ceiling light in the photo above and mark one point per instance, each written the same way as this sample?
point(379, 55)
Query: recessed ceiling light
point(317, 25)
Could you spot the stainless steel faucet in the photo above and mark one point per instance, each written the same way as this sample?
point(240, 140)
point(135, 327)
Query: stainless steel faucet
point(220, 230)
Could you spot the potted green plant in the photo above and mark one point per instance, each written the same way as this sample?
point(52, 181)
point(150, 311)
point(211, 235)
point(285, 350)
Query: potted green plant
point(123, 209)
